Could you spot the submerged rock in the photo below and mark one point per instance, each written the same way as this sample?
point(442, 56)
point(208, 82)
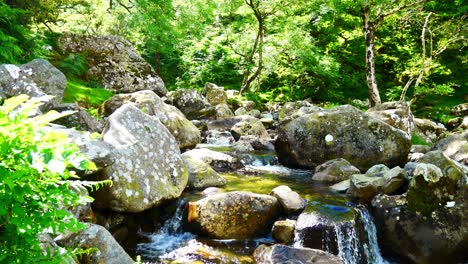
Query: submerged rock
point(95, 236)
point(186, 133)
point(146, 166)
point(334, 171)
point(277, 254)
point(113, 61)
point(38, 78)
point(237, 215)
point(341, 132)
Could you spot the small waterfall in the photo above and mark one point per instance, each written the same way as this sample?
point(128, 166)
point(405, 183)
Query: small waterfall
point(348, 243)
point(170, 237)
point(354, 241)
point(371, 248)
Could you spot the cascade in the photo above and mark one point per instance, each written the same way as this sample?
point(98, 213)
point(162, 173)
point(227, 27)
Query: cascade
point(171, 236)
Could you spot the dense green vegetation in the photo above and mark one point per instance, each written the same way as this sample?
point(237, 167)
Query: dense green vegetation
point(272, 50)
point(36, 183)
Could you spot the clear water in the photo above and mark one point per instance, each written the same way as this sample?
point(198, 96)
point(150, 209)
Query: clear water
point(171, 241)
point(170, 237)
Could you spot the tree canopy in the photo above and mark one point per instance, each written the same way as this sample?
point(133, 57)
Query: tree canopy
point(272, 50)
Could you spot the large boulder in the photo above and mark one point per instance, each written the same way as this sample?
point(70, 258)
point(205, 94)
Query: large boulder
point(455, 146)
point(341, 132)
point(334, 171)
point(277, 254)
point(215, 94)
point(396, 114)
point(201, 175)
point(96, 236)
point(236, 215)
point(37, 79)
point(113, 61)
point(146, 166)
point(428, 224)
point(190, 102)
point(185, 132)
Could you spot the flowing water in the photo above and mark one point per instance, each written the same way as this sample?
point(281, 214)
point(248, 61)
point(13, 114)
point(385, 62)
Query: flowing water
point(352, 233)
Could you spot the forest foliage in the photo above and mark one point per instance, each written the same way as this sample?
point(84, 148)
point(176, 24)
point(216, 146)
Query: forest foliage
point(274, 50)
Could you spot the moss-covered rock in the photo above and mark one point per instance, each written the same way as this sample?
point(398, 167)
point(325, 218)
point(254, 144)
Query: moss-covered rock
point(191, 103)
point(342, 132)
point(201, 175)
point(146, 167)
point(396, 114)
point(334, 171)
point(215, 94)
point(185, 132)
point(37, 79)
point(455, 146)
point(113, 62)
point(249, 126)
point(237, 215)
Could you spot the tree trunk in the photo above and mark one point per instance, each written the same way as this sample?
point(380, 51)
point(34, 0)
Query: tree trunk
point(157, 62)
point(258, 45)
point(369, 34)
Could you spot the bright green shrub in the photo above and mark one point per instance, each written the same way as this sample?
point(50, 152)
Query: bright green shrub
point(35, 182)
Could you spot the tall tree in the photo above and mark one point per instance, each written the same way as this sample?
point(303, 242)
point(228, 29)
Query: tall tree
point(369, 25)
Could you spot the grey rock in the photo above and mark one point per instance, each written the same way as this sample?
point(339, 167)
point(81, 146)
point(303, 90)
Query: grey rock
point(455, 146)
point(335, 170)
point(146, 166)
point(341, 132)
point(283, 231)
point(396, 114)
point(113, 61)
point(377, 170)
point(460, 110)
point(217, 160)
point(80, 119)
point(428, 129)
point(191, 103)
point(201, 175)
point(215, 94)
point(95, 236)
point(39, 79)
point(290, 200)
point(341, 187)
point(186, 133)
point(223, 111)
point(249, 127)
point(277, 254)
point(241, 111)
point(236, 215)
